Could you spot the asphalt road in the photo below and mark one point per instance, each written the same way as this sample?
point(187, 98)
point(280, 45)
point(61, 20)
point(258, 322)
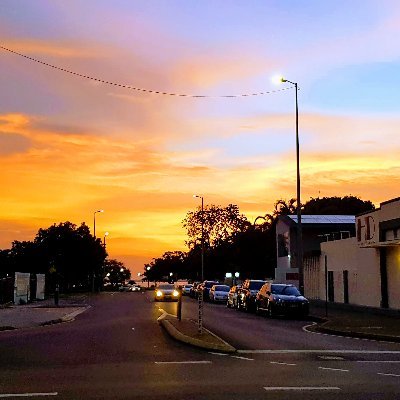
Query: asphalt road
point(116, 350)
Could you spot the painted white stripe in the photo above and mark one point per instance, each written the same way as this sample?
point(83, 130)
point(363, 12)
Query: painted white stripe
point(243, 358)
point(280, 363)
point(334, 369)
point(217, 354)
point(183, 362)
point(377, 361)
point(27, 394)
point(381, 373)
point(272, 388)
point(318, 351)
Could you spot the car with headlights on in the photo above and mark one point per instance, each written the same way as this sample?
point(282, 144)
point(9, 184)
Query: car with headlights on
point(166, 292)
point(219, 293)
point(281, 299)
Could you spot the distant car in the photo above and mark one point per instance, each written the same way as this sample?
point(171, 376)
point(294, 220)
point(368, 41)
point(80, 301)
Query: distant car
point(246, 298)
point(205, 288)
point(124, 288)
point(231, 301)
point(186, 289)
point(281, 299)
point(165, 292)
point(219, 293)
point(193, 290)
point(135, 288)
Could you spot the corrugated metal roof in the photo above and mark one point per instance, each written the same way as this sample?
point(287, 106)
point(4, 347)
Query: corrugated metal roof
point(325, 219)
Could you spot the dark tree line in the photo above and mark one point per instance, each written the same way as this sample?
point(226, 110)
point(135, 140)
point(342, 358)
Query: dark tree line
point(68, 254)
point(234, 244)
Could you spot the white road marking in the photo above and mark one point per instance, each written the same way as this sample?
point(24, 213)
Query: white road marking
point(280, 363)
point(377, 361)
point(381, 373)
point(27, 394)
point(274, 388)
point(319, 351)
point(217, 354)
point(334, 369)
point(182, 362)
point(133, 329)
point(330, 358)
point(243, 358)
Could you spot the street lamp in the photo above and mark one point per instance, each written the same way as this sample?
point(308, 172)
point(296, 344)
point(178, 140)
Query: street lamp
point(299, 258)
point(94, 221)
point(200, 319)
point(104, 240)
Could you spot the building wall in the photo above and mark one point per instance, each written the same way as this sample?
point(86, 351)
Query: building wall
point(393, 271)
point(362, 265)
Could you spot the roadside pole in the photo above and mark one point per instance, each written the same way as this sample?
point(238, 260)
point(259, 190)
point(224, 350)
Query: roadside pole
point(326, 285)
point(179, 308)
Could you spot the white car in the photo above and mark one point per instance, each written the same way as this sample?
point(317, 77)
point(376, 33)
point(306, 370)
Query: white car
point(186, 289)
point(219, 293)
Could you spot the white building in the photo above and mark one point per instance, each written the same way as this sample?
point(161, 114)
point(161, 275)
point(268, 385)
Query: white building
point(364, 270)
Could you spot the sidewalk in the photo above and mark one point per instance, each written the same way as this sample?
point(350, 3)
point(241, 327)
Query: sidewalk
point(43, 312)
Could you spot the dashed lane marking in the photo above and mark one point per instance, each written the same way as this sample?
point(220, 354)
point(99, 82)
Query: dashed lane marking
point(381, 373)
point(334, 369)
point(182, 362)
point(300, 388)
point(217, 354)
point(280, 363)
point(243, 358)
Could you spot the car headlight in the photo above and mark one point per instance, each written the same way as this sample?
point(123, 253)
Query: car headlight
point(159, 293)
point(175, 293)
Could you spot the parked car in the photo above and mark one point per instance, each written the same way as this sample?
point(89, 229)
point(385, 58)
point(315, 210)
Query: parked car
point(186, 289)
point(205, 288)
point(219, 293)
point(231, 301)
point(165, 292)
point(193, 290)
point(246, 298)
point(281, 299)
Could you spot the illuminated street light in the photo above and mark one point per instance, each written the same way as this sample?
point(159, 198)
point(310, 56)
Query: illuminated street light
point(299, 258)
point(200, 319)
point(94, 221)
point(104, 239)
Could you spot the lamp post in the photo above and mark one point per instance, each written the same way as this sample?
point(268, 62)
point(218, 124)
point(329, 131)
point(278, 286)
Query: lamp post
point(200, 319)
point(104, 240)
point(299, 258)
point(94, 221)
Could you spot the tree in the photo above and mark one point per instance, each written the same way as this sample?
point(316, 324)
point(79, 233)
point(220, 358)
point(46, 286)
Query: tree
point(347, 205)
point(219, 224)
point(115, 272)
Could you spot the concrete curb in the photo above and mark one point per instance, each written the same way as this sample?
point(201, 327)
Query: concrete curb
point(223, 347)
point(66, 318)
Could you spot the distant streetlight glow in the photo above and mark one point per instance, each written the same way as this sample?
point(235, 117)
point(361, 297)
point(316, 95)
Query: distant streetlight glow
point(277, 79)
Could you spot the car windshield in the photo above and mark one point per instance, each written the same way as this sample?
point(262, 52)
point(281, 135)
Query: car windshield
point(256, 285)
point(166, 287)
point(285, 290)
point(222, 288)
point(209, 284)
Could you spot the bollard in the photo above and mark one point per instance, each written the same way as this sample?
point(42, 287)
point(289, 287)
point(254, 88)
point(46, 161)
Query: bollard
point(179, 308)
point(56, 291)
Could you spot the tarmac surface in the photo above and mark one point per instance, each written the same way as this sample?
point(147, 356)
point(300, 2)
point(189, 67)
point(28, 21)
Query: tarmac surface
point(361, 322)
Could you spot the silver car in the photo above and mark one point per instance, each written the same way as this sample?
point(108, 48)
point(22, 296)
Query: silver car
point(219, 293)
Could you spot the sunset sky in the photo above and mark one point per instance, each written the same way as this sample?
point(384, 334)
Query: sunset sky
point(70, 145)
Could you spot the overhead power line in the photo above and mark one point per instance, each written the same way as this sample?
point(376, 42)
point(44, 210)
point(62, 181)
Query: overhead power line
point(124, 86)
